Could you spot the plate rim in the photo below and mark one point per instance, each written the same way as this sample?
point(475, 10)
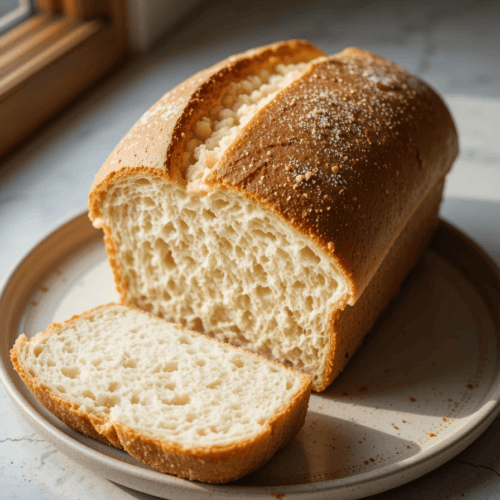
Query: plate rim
point(371, 482)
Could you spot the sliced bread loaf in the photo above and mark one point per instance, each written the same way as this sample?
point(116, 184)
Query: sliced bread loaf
point(269, 201)
point(174, 399)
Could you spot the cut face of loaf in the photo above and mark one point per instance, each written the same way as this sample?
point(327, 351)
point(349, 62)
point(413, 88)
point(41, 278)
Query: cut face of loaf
point(222, 265)
point(257, 201)
point(142, 384)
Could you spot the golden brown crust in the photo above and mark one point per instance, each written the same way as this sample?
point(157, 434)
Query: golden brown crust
point(350, 325)
point(344, 155)
point(215, 464)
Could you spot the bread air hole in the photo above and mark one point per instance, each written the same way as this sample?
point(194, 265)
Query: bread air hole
point(170, 366)
point(88, 394)
point(166, 385)
point(198, 326)
point(108, 401)
point(70, 372)
point(148, 202)
point(176, 400)
point(167, 426)
point(214, 384)
point(190, 417)
point(238, 362)
point(168, 230)
point(259, 274)
point(191, 214)
point(208, 214)
point(129, 363)
point(38, 349)
point(114, 386)
point(220, 204)
point(263, 292)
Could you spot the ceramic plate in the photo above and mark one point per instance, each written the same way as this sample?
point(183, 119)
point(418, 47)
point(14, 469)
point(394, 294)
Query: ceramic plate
point(424, 385)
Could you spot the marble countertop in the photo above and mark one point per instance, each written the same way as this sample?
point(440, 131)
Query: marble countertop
point(454, 46)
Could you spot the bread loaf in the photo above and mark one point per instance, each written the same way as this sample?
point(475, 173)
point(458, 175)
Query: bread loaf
point(174, 399)
point(277, 200)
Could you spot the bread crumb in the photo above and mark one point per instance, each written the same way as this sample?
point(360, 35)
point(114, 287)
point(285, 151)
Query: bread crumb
point(335, 169)
point(309, 175)
point(288, 168)
point(299, 178)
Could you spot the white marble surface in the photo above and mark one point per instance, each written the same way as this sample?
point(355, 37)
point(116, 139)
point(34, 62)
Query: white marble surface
point(454, 46)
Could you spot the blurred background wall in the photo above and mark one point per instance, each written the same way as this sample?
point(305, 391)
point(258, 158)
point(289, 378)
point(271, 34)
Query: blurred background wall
point(454, 44)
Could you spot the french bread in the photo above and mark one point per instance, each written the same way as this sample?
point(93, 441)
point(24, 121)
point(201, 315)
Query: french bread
point(174, 399)
point(276, 200)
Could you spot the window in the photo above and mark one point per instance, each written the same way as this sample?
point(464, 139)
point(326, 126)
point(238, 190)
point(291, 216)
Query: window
point(52, 56)
point(13, 12)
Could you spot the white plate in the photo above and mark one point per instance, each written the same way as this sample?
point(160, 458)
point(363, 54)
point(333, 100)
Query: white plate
point(422, 388)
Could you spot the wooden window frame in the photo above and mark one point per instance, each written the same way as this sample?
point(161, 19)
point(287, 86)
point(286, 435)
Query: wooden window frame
point(47, 60)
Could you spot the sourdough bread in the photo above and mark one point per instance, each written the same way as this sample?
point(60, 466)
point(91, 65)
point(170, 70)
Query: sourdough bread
point(174, 399)
point(257, 201)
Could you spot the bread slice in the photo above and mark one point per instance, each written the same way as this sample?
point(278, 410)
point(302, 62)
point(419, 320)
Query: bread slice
point(174, 399)
point(257, 201)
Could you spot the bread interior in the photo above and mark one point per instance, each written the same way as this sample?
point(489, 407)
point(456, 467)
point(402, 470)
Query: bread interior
point(122, 365)
point(222, 265)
